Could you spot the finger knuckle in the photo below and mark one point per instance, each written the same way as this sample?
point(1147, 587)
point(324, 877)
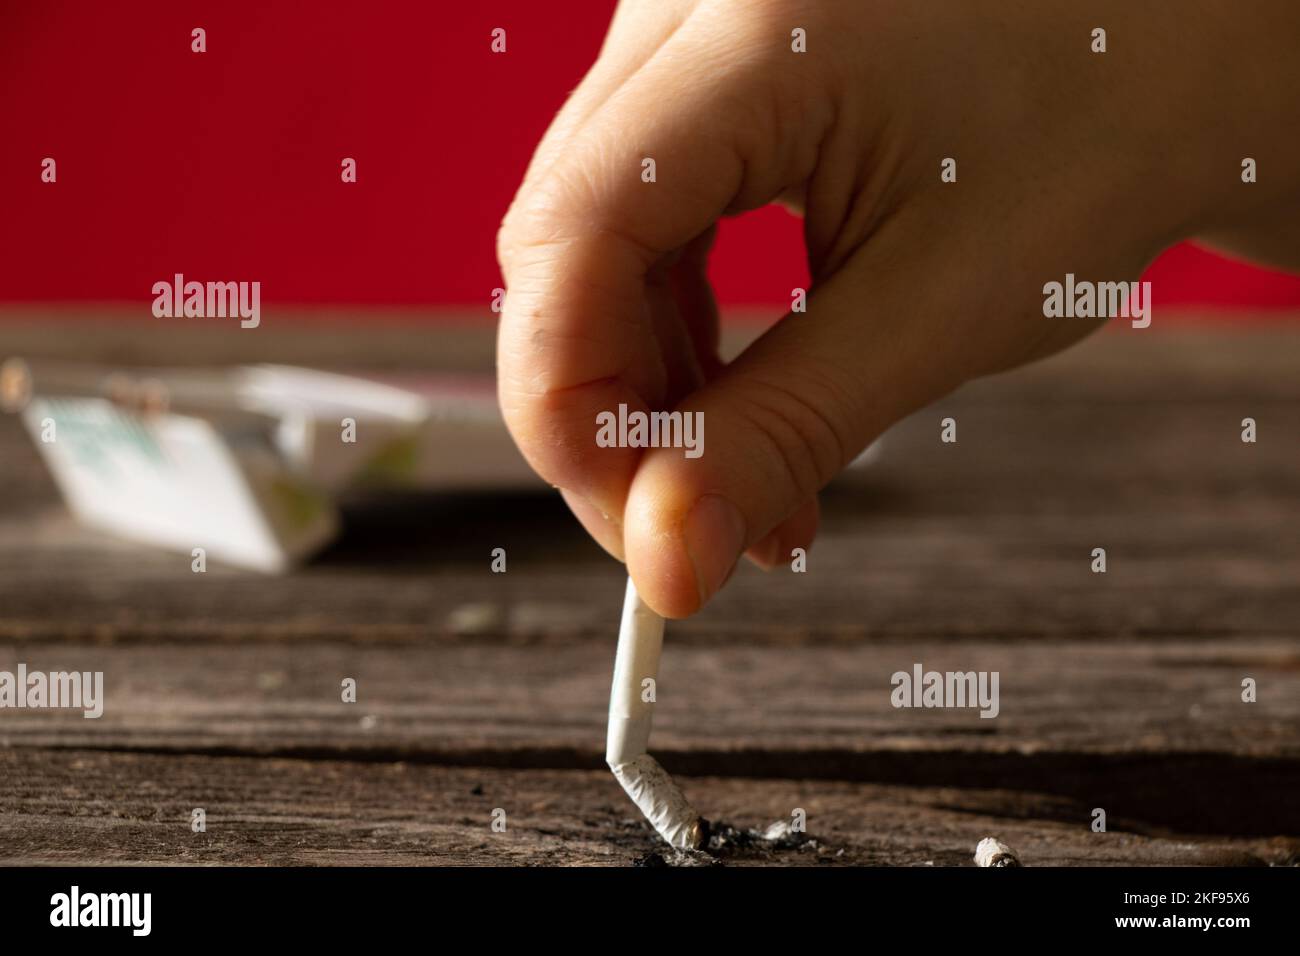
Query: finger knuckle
point(799, 422)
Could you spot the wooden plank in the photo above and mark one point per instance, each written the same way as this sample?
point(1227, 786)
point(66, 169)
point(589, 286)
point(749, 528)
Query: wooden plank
point(1141, 697)
point(1157, 728)
point(915, 547)
point(93, 808)
point(1205, 359)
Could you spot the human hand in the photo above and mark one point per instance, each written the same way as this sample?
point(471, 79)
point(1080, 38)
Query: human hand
point(1067, 161)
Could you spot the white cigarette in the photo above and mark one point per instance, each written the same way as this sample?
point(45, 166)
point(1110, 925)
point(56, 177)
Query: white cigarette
point(640, 642)
point(991, 852)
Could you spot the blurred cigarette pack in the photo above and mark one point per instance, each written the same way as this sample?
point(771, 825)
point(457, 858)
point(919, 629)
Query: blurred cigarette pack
point(249, 462)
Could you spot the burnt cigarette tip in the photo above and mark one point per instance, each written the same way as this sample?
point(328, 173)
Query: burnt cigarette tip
point(698, 835)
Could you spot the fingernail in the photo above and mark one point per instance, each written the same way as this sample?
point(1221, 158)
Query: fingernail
point(603, 527)
point(715, 534)
point(767, 552)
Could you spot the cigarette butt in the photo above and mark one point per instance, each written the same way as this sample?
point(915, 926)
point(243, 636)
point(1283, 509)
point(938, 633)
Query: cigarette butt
point(640, 644)
point(15, 385)
point(661, 801)
point(206, 394)
point(991, 852)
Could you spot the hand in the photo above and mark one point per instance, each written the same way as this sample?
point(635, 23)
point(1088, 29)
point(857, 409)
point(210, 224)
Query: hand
point(1067, 161)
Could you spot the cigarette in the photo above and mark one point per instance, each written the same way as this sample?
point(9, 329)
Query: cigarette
point(640, 643)
point(991, 852)
point(194, 392)
point(15, 385)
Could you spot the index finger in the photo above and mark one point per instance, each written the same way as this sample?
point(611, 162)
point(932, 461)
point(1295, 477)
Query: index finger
point(576, 336)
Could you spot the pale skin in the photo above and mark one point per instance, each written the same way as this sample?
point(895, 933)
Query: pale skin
point(1067, 161)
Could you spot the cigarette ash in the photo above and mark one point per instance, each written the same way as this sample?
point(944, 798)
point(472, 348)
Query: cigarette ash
point(725, 843)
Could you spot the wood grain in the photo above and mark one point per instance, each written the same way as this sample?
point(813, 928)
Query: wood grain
point(1119, 690)
point(71, 807)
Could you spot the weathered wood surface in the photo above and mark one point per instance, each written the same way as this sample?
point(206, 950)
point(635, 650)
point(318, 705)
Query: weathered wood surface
point(1157, 734)
point(68, 808)
point(1119, 690)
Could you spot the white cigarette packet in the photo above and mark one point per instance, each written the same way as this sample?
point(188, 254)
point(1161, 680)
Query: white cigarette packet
point(249, 462)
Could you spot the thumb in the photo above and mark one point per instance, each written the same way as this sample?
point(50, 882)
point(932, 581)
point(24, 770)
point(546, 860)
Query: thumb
point(780, 422)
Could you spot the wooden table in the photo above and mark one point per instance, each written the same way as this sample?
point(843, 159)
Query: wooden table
point(479, 691)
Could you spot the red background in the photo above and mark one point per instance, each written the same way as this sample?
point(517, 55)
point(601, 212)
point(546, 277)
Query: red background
point(225, 165)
